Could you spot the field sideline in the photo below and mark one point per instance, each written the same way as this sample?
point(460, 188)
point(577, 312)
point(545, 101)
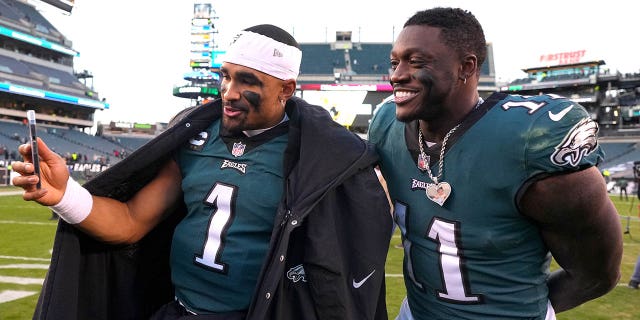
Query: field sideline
point(26, 237)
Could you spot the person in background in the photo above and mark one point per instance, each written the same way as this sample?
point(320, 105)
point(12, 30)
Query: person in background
point(635, 277)
point(271, 210)
point(519, 177)
point(623, 184)
point(9, 168)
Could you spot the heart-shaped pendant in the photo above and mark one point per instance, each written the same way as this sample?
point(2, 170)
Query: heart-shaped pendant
point(439, 192)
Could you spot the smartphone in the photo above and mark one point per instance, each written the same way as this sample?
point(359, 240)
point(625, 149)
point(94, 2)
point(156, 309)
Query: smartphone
point(31, 117)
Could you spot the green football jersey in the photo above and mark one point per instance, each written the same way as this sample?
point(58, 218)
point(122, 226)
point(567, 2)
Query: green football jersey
point(232, 188)
point(476, 256)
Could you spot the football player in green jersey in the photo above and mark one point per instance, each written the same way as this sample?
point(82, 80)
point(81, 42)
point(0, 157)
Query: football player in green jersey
point(284, 216)
point(487, 192)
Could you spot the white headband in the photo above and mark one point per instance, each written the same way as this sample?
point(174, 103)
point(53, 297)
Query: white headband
point(264, 54)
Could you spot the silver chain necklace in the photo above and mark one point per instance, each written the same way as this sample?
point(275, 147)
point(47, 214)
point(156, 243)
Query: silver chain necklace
point(442, 149)
point(437, 191)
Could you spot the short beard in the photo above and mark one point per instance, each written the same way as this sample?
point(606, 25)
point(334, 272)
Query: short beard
point(231, 129)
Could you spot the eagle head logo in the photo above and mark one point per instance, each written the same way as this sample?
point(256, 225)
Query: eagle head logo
point(578, 143)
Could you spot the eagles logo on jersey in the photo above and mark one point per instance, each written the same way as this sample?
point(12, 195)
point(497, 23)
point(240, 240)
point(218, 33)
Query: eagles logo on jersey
point(579, 142)
point(241, 167)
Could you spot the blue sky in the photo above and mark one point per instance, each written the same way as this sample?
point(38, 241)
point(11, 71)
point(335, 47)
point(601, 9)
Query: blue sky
point(138, 50)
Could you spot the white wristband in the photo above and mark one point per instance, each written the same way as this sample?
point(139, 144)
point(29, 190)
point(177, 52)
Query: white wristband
point(76, 203)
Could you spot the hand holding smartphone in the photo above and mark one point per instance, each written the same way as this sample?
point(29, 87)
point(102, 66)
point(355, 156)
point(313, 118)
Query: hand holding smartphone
point(31, 117)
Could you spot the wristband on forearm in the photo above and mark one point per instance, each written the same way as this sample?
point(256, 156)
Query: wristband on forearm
point(76, 203)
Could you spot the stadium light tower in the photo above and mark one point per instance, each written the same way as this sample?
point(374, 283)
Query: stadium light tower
point(204, 77)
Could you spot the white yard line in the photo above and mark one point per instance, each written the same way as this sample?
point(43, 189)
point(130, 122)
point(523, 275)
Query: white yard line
point(21, 280)
point(25, 266)
point(24, 258)
point(11, 193)
point(53, 223)
point(10, 295)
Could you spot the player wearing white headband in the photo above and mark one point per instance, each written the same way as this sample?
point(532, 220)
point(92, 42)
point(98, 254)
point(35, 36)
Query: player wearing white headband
point(270, 208)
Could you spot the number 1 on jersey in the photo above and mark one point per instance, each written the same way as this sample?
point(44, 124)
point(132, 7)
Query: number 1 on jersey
point(452, 269)
point(221, 199)
point(445, 234)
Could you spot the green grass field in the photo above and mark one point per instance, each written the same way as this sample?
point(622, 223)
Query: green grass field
point(26, 236)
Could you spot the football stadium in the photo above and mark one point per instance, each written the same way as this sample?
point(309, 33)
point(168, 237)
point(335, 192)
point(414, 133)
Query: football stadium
point(348, 78)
